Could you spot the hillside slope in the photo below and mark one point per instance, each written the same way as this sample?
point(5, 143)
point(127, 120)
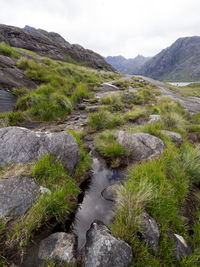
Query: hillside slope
point(179, 62)
point(51, 45)
point(127, 66)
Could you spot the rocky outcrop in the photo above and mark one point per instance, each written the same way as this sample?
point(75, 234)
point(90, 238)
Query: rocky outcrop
point(175, 137)
point(104, 250)
point(51, 45)
point(180, 61)
point(182, 249)
point(150, 232)
point(141, 146)
point(11, 76)
point(20, 145)
point(58, 247)
point(17, 195)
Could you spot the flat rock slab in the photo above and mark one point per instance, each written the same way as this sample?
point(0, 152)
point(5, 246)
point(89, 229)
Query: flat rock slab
point(140, 145)
point(58, 247)
point(104, 250)
point(20, 145)
point(17, 195)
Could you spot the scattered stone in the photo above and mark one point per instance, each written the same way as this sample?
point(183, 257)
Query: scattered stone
point(82, 106)
point(150, 232)
point(132, 90)
point(175, 137)
point(154, 118)
point(58, 247)
point(93, 108)
point(22, 145)
point(182, 249)
point(104, 250)
point(140, 145)
point(110, 192)
point(17, 195)
point(44, 190)
point(127, 96)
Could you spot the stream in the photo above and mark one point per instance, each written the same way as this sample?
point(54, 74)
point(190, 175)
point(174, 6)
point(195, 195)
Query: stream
point(94, 206)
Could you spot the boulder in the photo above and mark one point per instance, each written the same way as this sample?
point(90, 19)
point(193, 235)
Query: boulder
point(175, 137)
point(150, 232)
point(20, 145)
point(93, 108)
point(110, 192)
point(140, 145)
point(104, 250)
point(58, 247)
point(182, 249)
point(17, 195)
point(154, 118)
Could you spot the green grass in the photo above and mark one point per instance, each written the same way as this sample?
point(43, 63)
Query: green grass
point(49, 172)
point(114, 101)
point(105, 120)
point(8, 51)
point(136, 113)
point(158, 187)
point(108, 147)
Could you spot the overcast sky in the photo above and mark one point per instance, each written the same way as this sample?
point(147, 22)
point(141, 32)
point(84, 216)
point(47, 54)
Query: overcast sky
point(109, 27)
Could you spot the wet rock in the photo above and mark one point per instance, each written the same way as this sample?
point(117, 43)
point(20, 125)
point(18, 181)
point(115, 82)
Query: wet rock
point(150, 232)
point(22, 145)
point(58, 247)
point(93, 108)
point(17, 195)
point(175, 137)
point(104, 250)
point(140, 145)
point(154, 118)
point(182, 249)
point(110, 192)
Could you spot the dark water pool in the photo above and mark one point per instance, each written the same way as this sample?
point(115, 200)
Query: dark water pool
point(94, 206)
point(7, 101)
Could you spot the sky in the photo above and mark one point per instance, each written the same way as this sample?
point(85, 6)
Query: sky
point(109, 27)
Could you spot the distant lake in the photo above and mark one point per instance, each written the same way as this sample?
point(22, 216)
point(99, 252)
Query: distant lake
point(181, 83)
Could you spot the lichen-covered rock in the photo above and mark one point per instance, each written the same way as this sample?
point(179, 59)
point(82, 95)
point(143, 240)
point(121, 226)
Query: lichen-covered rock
point(104, 250)
point(182, 249)
point(58, 247)
point(140, 145)
point(20, 145)
point(17, 195)
point(154, 118)
point(150, 232)
point(175, 137)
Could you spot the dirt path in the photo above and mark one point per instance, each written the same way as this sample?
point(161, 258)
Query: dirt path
point(191, 104)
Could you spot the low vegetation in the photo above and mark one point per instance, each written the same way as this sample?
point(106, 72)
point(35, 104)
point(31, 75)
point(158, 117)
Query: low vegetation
point(8, 51)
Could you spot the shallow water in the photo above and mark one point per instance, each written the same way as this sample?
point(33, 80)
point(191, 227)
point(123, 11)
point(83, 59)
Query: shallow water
point(94, 206)
point(7, 101)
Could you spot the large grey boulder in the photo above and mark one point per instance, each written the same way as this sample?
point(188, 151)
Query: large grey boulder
point(58, 247)
point(104, 250)
point(182, 249)
point(140, 145)
point(110, 192)
point(17, 195)
point(150, 232)
point(20, 145)
point(175, 137)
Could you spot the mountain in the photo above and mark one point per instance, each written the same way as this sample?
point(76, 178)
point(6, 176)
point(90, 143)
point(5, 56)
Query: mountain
point(179, 62)
point(127, 66)
point(52, 45)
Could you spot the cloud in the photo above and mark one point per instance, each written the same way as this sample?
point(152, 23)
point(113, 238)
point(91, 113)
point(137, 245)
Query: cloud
point(113, 27)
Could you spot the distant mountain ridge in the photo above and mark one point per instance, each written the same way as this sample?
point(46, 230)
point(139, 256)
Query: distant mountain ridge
point(127, 66)
point(51, 44)
point(179, 62)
